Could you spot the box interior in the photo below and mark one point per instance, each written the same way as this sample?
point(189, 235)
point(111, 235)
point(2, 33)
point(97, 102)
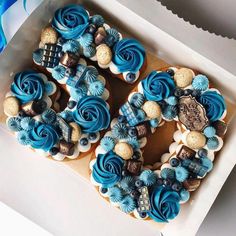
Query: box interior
point(159, 43)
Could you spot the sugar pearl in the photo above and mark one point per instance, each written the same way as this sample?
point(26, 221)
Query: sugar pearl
point(124, 150)
point(195, 140)
point(76, 132)
point(49, 35)
point(183, 77)
point(152, 109)
point(104, 54)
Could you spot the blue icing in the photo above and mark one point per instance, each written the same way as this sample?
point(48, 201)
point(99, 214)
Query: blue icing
point(115, 194)
point(184, 195)
point(28, 86)
point(23, 137)
point(214, 105)
point(200, 82)
point(164, 204)
point(96, 88)
point(127, 183)
point(71, 21)
point(97, 20)
point(78, 93)
point(43, 137)
point(213, 143)
point(127, 204)
point(157, 86)
point(128, 55)
point(92, 114)
point(167, 173)
point(107, 169)
point(181, 173)
point(209, 131)
point(107, 143)
point(59, 72)
point(86, 40)
point(71, 46)
point(13, 123)
point(148, 177)
point(49, 116)
point(27, 123)
point(120, 131)
point(89, 51)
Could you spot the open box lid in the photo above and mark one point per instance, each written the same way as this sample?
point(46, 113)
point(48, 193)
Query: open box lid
point(218, 49)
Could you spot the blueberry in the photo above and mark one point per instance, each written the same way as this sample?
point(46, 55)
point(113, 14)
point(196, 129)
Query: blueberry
point(83, 141)
point(177, 186)
point(21, 113)
point(202, 152)
point(70, 72)
point(142, 214)
point(134, 194)
point(121, 119)
point(159, 181)
point(188, 92)
point(130, 77)
point(196, 93)
point(178, 92)
point(103, 190)
point(53, 151)
point(167, 182)
point(71, 104)
point(60, 54)
point(138, 183)
point(61, 41)
point(39, 106)
point(92, 136)
point(124, 172)
point(136, 155)
point(174, 162)
point(170, 72)
point(132, 132)
point(91, 29)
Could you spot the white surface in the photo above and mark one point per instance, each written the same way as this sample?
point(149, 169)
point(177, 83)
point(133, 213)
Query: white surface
point(55, 198)
point(12, 223)
point(59, 200)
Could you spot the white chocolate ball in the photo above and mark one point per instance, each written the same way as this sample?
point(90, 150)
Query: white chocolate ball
point(195, 140)
point(124, 150)
point(152, 109)
point(183, 77)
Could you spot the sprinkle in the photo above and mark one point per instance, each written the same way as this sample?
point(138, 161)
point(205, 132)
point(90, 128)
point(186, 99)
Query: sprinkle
point(71, 46)
point(209, 131)
point(96, 88)
point(148, 177)
point(97, 20)
point(172, 100)
point(120, 131)
point(49, 116)
point(184, 195)
point(107, 143)
point(127, 204)
point(58, 72)
point(86, 40)
point(137, 100)
point(115, 194)
point(23, 137)
point(213, 143)
point(181, 173)
point(127, 183)
point(200, 82)
point(206, 162)
point(13, 124)
point(167, 173)
point(89, 51)
point(27, 123)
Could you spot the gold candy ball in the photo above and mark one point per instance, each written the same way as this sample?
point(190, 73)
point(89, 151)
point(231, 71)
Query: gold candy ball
point(195, 140)
point(152, 109)
point(124, 150)
point(11, 106)
point(49, 35)
point(183, 77)
point(76, 132)
point(104, 54)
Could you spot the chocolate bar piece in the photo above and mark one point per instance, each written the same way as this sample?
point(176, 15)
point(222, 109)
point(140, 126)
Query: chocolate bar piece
point(134, 166)
point(143, 129)
point(66, 148)
point(185, 153)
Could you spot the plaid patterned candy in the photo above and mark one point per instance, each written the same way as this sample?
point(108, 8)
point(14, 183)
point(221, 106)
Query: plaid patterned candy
point(65, 129)
point(51, 55)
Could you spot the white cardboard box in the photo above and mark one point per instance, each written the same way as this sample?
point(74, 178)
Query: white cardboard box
point(59, 210)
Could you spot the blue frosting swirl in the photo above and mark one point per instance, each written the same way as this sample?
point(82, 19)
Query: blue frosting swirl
point(164, 204)
point(92, 114)
point(71, 21)
point(158, 86)
point(128, 55)
point(28, 86)
point(214, 105)
point(43, 136)
point(107, 169)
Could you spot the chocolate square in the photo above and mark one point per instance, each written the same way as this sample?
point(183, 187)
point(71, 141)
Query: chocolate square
point(134, 167)
point(185, 153)
point(143, 129)
point(221, 128)
point(66, 148)
point(69, 60)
